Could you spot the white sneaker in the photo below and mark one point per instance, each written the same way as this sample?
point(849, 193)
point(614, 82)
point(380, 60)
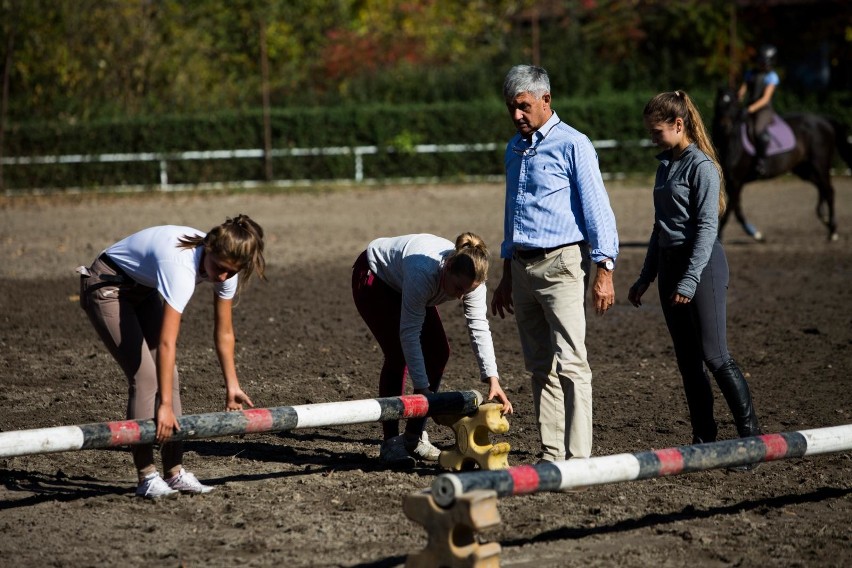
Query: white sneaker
point(154, 487)
point(425, 450)
point(393, 452)
point(186, 482)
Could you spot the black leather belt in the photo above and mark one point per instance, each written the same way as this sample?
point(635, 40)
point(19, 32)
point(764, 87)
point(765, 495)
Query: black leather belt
point(111, 263)
point(532, 254)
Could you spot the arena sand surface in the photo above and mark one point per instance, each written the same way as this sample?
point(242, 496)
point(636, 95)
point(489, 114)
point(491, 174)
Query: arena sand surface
point(319, 497)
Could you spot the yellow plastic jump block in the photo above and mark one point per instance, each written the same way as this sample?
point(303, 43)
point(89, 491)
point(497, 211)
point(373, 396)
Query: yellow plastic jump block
point(453, 540)
point(473, 444)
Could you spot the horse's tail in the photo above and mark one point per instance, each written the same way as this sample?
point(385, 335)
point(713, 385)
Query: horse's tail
point(842, 140)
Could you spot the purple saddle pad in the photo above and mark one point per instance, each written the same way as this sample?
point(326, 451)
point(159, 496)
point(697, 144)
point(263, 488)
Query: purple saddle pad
point(781, 137)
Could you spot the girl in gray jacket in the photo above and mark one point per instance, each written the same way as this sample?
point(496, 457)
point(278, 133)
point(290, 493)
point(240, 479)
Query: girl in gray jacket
point(686, 254)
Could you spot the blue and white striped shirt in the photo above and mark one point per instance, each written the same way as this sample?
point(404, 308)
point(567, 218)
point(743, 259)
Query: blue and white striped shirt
point(555, 193)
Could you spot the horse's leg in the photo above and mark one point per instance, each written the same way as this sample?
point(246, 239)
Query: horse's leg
point(735, 191)
point(823, 209)
point(826, 201)
point(732, 194)
point(819, 174)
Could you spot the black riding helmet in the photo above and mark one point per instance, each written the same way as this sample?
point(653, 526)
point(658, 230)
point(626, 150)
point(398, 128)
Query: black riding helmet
point(766, 55)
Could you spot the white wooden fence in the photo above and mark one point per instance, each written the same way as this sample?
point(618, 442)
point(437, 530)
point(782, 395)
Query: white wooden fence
point(357, 152)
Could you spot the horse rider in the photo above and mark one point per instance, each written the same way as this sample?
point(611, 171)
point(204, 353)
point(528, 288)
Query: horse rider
point(756, 92)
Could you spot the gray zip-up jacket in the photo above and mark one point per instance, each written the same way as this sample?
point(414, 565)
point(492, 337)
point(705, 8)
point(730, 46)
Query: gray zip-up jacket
point(686, 213)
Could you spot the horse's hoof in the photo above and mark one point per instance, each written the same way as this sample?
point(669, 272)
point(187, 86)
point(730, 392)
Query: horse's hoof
point(758, 236)
point(833, 238)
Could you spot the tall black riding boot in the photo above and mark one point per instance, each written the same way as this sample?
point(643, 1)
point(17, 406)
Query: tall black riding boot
point(734, 387)
point(699, 399)
point(761, 144)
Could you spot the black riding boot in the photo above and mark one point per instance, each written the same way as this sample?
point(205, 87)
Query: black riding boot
point(699, 399)
point(761, 144)
point(734, 387)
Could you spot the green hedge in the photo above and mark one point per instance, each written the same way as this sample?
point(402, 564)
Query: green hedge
point(614, 116)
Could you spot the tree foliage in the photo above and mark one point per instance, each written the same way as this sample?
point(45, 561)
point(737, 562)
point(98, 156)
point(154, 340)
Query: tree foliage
point(78, 60)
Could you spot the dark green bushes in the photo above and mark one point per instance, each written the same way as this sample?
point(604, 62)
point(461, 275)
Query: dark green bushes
point(615, 116)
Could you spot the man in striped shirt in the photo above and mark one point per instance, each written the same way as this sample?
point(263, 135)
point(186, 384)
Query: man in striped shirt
point(557, 221)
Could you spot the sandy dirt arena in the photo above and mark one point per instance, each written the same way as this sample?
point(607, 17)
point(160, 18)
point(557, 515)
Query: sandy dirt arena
point(319, 497)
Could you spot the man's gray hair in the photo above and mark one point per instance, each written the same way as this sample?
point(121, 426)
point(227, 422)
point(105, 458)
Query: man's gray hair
point(525, 79)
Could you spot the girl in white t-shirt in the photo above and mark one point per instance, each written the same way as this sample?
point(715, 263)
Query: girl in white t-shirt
point(134, 294)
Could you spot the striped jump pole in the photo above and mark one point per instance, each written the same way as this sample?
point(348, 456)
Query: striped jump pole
point(563, 475)
point(253, 420)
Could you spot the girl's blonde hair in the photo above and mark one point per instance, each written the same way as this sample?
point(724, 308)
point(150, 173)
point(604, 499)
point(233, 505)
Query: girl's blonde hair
point(237, 241)
point(470, 259)
point(668, 107)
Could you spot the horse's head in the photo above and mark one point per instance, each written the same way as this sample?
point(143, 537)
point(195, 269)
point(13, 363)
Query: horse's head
point(726, 114)
point(727, 104)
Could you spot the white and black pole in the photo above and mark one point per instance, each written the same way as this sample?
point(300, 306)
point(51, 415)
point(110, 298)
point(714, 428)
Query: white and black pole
point(563, 475)
point(253, 420)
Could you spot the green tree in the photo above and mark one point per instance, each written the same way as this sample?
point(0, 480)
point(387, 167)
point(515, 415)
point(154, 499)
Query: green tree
point(79, 60)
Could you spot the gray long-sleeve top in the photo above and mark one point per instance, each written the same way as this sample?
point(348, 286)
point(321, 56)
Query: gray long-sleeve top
point(686, 212)
point(412, 264)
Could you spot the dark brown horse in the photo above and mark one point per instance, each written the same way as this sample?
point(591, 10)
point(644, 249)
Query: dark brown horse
point(810, 158)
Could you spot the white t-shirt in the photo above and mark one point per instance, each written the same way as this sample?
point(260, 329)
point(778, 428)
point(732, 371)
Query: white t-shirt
point(152, 258)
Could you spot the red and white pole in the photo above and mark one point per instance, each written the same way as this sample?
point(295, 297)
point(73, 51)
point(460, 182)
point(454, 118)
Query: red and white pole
point(254, 420)
point(559, 476)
